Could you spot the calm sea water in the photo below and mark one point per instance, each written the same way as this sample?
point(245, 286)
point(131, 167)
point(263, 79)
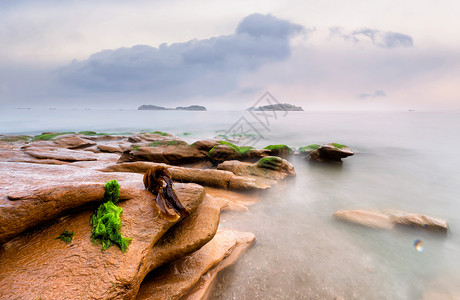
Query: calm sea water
point(403, 160)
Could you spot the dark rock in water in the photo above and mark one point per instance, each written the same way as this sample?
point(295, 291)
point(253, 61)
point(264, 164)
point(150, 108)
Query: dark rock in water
point(279, 150)
point(331, 152)
point(192, 107)
point(151, 107)
point(155, 107)
point(277, 107)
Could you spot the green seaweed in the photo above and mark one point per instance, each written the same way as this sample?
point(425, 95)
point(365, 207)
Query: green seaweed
point(66, 236)
point(167, 143)
point(14, 138)
point(279, 147)
point(243, 151)
point(112, 191)
point(309, 148)
point(187, 133)
point(160, 133)
point(136, 148)
point(269, 162)
point(106, 220)
point(48, 136)
point(338, 146)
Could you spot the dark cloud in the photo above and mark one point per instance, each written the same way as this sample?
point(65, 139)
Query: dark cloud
point(377, 93)
point(196, 67)
point(379, 38)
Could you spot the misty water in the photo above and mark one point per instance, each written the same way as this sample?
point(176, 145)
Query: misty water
point(403, 160)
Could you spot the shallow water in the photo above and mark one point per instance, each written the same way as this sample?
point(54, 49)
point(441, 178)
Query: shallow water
point(403, 160)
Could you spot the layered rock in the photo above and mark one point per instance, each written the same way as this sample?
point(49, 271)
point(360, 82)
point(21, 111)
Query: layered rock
point(270, 167)
point(37, 265)
point(390, 218)
point(209, 177)
point(175, 280)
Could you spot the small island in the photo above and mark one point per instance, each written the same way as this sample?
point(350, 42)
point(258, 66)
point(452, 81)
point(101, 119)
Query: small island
point(276, 107)
point(155, 107)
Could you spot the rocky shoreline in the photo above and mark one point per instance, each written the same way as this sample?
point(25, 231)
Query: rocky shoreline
point(51, 184)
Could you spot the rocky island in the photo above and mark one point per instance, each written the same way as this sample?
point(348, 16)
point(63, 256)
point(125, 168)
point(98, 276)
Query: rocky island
point(277, 107)
point(155, 107)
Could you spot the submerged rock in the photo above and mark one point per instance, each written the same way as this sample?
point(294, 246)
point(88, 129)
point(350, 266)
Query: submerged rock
point(36, 265)
point(390, 218)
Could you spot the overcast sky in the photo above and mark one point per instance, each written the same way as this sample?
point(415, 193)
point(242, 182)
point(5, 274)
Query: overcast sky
point(329, 54)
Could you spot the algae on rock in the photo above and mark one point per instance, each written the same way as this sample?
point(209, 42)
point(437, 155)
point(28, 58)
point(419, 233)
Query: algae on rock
point(106, 220)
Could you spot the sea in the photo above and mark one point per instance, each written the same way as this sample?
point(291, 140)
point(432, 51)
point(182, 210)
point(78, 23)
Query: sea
point(404, 160)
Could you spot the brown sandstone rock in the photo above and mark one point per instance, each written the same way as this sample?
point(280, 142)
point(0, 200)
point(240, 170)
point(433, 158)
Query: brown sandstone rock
point(203, 288)
point(373, 219)
point(59, 154)
point(329, 152)
point(176, 279)
point(37, 266)
point(280, 170)
point(170, 154)
point(208, 177)
point(109, 148)
point(205, 145)
point(31, 194)
point(72, 141)
point(389, 218)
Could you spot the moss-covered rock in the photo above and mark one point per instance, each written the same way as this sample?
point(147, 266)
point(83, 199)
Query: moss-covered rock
point(279, 150)
point(46, 136)
point(309, 148)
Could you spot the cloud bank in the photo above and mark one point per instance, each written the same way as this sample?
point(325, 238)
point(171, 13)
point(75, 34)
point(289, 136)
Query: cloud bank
point(383, 39)
point(197, 67)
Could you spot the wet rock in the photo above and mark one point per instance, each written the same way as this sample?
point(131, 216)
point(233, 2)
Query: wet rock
point(221, 153)
point(170, 154)
point(59, 154)
point(331, 152)
point(205, 145)
point(418, 220)
point(31, 194)
point(209, 177)
point(72, 141)
point(388, 219)
point(372, 219)
point(176, 279)
point(271, 167)
point(203, 288)
point(282, 151)
point(37, 266)
point(109, 148)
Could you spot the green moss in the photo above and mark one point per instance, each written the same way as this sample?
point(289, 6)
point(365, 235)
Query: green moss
point(269, 162)
point(48, 136)
point(338, 146)
point(279, 147)
point(167, 143)
point(106, 220)
point(14, 138)
point(243, 151)
point(136, 148)
point(160, 133)
point(187, 133)
point(66, 236)
point(309, 148)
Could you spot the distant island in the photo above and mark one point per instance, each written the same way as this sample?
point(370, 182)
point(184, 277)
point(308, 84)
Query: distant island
point(155, 107)
point(279, 106)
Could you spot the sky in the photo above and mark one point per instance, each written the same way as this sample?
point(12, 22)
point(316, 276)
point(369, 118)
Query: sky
point(321, 55)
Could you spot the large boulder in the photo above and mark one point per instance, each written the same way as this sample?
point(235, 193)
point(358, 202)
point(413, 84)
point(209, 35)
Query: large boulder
point(38, 266)
point(31, 194)
point(205, 145)
point(270, 167)
point(228, 151)
point(174, 154)
point(331, 152)
point(175, 280)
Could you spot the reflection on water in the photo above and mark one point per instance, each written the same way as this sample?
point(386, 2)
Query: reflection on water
point(405, 161)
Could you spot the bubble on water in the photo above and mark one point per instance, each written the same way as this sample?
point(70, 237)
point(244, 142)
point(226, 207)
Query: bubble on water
point(418, 244)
